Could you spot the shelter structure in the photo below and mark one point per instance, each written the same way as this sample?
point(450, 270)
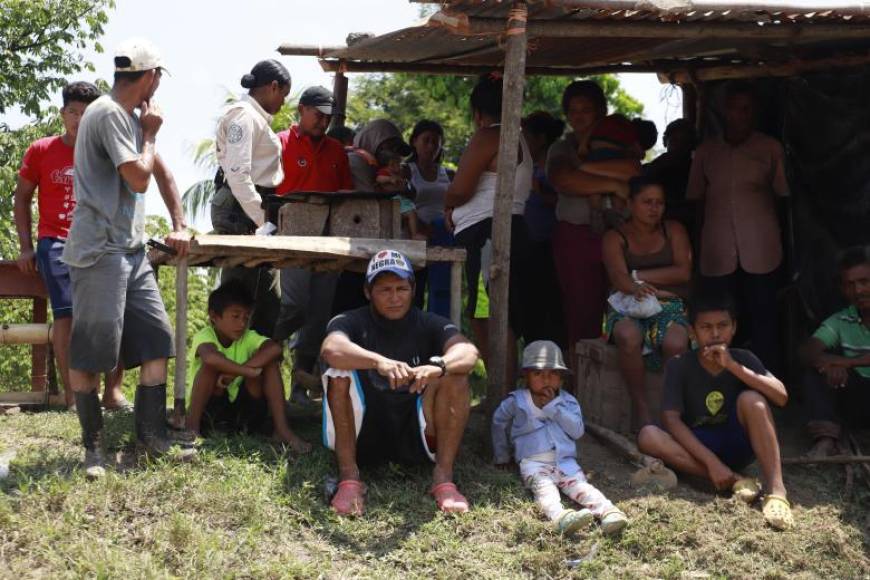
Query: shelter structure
point(690, 43)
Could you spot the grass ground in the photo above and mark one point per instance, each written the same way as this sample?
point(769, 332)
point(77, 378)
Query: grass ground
point(247, 510)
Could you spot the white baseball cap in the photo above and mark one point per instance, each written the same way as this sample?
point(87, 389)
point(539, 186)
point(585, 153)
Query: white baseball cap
point(389, 261)
point(141, 54)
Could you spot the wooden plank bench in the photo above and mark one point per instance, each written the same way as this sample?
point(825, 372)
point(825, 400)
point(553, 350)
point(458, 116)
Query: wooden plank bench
point(321, 253)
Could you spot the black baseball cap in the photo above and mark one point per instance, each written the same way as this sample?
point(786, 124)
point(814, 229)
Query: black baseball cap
point(318, 97)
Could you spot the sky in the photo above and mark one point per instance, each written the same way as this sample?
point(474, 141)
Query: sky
point(209, 45)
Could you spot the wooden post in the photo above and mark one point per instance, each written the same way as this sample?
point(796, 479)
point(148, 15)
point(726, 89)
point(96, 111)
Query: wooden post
point(456, 293)
point(38, 352)
point(339, 93)
point(512, 104)
point(180, 384)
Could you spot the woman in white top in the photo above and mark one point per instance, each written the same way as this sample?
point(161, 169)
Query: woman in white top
point(430, 181)
point(249, 153)
point(469, 203)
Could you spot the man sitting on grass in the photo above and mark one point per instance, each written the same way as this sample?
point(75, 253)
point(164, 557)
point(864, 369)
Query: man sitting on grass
point(716, 413)
point(234, 373)
point(837, 385)
point(397, 386)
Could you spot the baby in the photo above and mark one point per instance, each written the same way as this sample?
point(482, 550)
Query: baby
point(539, 426)
point(391, 178)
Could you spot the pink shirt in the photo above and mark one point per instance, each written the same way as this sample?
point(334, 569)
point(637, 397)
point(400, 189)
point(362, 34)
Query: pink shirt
point(739, 185)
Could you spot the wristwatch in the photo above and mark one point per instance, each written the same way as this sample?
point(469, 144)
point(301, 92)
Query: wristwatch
point(439, 362)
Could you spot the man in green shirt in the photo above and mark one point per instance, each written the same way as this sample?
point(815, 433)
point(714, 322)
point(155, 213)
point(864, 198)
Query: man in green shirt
point(837, 386)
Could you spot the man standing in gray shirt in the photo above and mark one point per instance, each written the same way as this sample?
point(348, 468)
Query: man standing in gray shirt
point(118, 314)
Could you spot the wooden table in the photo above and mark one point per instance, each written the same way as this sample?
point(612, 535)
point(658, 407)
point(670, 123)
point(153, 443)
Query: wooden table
point(319, 253)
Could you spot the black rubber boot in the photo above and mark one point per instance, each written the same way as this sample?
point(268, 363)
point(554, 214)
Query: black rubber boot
point(91, 420)
point(150, 417)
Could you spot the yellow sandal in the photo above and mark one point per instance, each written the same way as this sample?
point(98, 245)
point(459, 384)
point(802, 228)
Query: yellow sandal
point(746, 489)
point(777, 512)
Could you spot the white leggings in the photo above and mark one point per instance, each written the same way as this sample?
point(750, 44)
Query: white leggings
point(545, 480)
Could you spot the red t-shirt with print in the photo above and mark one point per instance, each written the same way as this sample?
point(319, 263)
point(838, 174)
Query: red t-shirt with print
point(312, 166)
point(49, 164)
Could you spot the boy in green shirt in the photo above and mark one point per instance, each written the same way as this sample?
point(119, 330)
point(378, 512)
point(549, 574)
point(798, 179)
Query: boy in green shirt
point(234, 374)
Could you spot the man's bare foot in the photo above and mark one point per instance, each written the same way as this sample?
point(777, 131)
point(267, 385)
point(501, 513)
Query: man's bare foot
point(296, 443)
point(823, 447)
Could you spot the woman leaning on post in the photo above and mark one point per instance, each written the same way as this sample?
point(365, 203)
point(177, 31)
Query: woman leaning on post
point(646, 257)
point(249, 154)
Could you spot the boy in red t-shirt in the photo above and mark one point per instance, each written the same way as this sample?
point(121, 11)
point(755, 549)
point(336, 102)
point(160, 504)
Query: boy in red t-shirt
point(47, 168)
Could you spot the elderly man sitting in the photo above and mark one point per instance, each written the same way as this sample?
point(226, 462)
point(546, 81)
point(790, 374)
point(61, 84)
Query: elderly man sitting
point(397, 386)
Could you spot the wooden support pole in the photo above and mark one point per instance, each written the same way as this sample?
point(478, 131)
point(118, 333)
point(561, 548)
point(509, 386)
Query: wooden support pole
point(339, 93)
point(456, 293)
point(180, 384)
point(39, 350)
point(35, 334)
point(509, 139)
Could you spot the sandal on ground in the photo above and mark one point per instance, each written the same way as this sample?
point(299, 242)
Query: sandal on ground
point(746, 489)
point(349, 499)
point(448, 498)
point(613, 522)
point(572, 521)
point(777, 512)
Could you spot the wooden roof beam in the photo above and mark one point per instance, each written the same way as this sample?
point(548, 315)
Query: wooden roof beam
point(672, 30)
point(853, 8)
point(331, 65)
point(746, 71)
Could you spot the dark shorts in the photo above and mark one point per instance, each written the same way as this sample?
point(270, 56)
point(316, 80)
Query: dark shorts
point(390, 426)
point(55, 274)
point(728, 442)
point(477, 241)
point(119, 315)
point(244, 415)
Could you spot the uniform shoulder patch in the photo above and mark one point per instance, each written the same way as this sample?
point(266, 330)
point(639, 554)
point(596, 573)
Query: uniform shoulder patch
point(235, 132)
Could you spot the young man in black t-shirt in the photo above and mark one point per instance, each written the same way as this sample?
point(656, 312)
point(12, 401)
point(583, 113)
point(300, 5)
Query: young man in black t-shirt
point(716, 413)
point(397, 386)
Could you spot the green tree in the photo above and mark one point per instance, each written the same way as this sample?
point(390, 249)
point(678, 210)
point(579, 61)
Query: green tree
point(40, 42)
point(407, 98)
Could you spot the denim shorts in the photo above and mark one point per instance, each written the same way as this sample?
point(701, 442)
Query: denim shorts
point(55, 274)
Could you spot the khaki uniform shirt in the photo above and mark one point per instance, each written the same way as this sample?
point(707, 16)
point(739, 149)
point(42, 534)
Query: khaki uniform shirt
point(249, 153)
point(739, 185)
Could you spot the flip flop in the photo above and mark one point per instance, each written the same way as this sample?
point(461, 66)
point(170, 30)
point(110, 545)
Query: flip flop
point(777, 512)
point(656, 474)
point(746, 489)
point(121, 404)
point(448, 498)
point(349, 499)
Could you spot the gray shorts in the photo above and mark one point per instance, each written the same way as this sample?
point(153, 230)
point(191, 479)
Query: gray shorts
point(118, 312)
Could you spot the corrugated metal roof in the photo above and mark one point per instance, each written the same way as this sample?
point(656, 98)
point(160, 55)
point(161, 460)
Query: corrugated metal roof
point(577, 36)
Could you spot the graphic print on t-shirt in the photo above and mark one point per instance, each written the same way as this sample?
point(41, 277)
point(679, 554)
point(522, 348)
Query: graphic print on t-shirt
point(714, 402)
point(49, 164)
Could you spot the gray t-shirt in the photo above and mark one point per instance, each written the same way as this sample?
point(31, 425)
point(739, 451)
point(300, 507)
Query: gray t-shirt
point(109, 217)
point(569, 208)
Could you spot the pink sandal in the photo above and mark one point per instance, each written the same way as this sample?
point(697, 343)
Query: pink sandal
point(349, 500)
point(448, 498)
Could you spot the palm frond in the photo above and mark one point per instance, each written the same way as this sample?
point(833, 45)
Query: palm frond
point(197, 197)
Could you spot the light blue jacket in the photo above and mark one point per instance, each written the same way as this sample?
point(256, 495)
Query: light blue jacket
point(519, 424)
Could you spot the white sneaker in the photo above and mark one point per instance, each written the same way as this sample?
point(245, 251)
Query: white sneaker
point(613, 522)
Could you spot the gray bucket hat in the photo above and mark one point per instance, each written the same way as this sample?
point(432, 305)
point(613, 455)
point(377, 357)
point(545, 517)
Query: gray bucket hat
point(543, 354)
